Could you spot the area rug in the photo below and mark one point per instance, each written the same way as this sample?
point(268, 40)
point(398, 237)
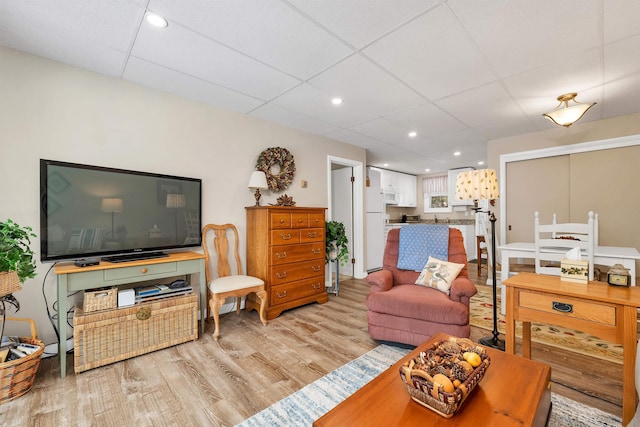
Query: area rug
point(481, 315)
point(308, 404)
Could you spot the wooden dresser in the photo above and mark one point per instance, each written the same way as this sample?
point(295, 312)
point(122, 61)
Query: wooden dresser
point(285, 248)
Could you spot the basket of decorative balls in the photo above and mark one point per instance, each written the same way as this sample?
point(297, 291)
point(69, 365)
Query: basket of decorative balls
point(443, 375)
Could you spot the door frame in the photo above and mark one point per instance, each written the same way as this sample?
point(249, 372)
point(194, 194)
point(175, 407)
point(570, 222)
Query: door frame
point(358, 209)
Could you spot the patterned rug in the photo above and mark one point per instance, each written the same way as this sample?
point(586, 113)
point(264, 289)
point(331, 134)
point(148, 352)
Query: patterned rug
point(308, 404)
point(481, 315)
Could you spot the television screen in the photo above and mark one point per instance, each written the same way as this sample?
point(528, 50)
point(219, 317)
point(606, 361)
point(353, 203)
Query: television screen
point(91, 211)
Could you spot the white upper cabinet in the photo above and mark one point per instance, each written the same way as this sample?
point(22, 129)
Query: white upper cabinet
point(400, 189)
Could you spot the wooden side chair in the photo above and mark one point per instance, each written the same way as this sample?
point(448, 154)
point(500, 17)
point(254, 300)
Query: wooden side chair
point(228, 283)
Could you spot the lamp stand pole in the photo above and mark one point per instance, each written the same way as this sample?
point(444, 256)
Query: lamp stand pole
point(493, 341)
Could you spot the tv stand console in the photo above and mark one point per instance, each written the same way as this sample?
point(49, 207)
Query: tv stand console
point(71, 279)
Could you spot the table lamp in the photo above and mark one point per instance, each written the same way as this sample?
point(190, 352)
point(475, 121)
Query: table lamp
point(483, 185)
point(112, 205)
point(258, 181)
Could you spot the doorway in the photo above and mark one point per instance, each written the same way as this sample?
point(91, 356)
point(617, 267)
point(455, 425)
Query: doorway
point(345, 204)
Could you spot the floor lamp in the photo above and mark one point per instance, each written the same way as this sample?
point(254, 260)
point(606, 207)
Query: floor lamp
point(483, 185)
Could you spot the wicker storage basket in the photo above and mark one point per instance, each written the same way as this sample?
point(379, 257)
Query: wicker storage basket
point(100, 299)
point(9, 283)
point(17, 376)
point(110, 336)
point(419, 382)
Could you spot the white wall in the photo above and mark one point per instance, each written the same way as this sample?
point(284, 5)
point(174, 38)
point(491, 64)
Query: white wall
point(53, 111)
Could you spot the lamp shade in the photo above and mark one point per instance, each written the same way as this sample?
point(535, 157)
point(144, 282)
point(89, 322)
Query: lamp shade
point(565, 115)
point(175, 201)
point(477, 185)
point(111, 205)
point(258, 180)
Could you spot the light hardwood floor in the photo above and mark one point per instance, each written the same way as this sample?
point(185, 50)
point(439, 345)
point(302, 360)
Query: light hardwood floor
point(209, 383)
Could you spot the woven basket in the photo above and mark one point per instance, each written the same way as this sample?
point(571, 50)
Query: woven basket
point(9, 283)
point(424, 392)
point(17, 376)
point(100, 299)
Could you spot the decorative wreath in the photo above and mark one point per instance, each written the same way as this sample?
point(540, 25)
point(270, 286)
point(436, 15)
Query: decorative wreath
point(284, 159)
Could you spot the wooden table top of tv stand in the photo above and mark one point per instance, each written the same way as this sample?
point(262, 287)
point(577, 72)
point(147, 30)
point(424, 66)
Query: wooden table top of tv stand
point(70, 267)
point(514, 392)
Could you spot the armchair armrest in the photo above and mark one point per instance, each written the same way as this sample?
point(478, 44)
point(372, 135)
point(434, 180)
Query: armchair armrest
point(462, 289)
point(380, 281)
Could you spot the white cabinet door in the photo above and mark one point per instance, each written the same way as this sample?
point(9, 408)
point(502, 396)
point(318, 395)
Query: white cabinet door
point(407, 189)
point(469, 236)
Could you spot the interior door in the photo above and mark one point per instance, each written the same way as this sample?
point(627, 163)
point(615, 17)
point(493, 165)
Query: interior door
point(342, 206)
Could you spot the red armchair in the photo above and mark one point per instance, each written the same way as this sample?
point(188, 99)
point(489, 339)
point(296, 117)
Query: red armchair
point(398, 310)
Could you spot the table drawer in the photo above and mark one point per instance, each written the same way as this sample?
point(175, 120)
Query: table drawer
point(280, 220)
point(571, 307)
point(286, 254)
point(300, 220)
point(295, 290)
point(285, 237)
point(140, 271)
point(311, 235)
point(291, 272)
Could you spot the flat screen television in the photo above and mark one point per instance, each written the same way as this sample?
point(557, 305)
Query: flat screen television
point(93, 212)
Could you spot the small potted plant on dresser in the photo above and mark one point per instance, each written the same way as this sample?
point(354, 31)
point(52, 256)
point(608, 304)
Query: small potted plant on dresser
point(19, 356)
point(336, 250)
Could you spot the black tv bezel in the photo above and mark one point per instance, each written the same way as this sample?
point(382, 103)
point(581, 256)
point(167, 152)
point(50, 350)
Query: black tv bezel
point(45, 163)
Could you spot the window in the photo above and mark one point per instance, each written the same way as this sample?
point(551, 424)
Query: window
point(436, 194)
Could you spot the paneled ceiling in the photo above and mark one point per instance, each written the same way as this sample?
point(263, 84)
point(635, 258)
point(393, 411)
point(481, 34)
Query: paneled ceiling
point(456, 72)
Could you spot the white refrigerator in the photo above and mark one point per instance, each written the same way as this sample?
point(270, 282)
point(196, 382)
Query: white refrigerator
point(375, 218)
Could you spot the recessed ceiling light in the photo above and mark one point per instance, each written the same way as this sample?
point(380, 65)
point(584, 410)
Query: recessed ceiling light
point(457, 153)
point(481, 163)
point(156, 20)
point(413, 134)
point(385, 165)
point(427, 170)
point(336, 101)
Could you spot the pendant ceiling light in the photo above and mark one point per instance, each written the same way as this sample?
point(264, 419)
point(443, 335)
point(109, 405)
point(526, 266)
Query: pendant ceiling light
point(565, 115)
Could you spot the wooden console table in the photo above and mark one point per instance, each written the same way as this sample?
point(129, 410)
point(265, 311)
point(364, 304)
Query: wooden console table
point(71, 279)
point(608, 312)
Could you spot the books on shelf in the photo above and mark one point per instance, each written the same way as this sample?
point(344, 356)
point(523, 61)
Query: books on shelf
point(150, 293)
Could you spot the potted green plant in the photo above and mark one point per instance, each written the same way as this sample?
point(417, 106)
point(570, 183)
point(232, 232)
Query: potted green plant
point(16, 257)
point(337, 243)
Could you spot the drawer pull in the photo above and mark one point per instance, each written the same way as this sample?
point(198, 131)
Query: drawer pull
point(563, 307)
point(284, 255)
point(144, 313)
point(144, 270)
point(314, 234)
point(316, 268)
point(286, 237)
point(282, 221)
point(281, 296)
point(316, 285)
point(281, 276)
point(316, 251)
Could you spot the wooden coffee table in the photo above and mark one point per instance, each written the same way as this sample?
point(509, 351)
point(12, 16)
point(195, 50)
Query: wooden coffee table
point(514, 392)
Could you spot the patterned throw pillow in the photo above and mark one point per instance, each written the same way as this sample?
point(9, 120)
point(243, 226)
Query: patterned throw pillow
point(439, 274)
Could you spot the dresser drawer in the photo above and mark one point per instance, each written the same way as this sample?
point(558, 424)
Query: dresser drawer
point(300, 220)
point(286, 254)
point(566, 306)
point(311, 235)
point(140, 271)
point(285, 237)
point(291, 272)
point(280, 220)
point(292, 291)
point(316, 219)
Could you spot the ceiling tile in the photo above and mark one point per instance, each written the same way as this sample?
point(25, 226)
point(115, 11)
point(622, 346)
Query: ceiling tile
point(428, 120)
point(433, 54)
point(274, 113)
point(350, 137)
point(361, 22)
point(158, 77)
point(620, 19)
point(384, 130)
point(622, 59)
point(534, 33)
point(267, 30)
point(621, 96)
point(186, 51)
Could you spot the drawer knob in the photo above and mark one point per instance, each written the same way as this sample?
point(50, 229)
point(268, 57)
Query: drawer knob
point(314, 234)
point(316, 268)
point(284, 255)
point(281, 276)
point(316, 251)
point(286, 236)
point(281, 296)
point(144, 313)
point(563, 307)
point(282, 221)
point(144, 270)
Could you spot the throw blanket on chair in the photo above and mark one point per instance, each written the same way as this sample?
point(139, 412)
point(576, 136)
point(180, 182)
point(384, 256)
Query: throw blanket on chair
point(419, 242)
